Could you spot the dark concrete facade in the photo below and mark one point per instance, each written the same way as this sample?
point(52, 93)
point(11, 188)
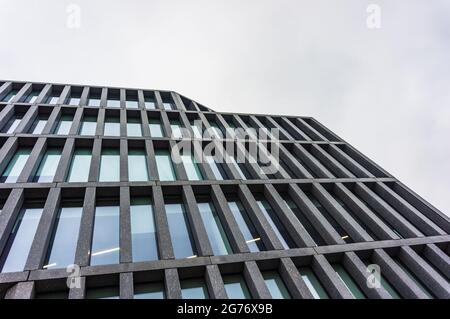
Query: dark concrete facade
point(387, 221)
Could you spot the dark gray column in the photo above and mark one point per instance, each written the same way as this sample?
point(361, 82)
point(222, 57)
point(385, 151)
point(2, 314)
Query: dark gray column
point(10, 212)
point(332, 164)
point(82, 256)
point(430, 277)
point(328, 233)
point(295, 229)
point(65, 160)
point(125, 226)
point(33, 161)
point(161, 225)
point(195, 221)
point(235, 236)
point(76, 122)
point(214, 282)
point(293, 280)
point(311, 162)
point(126, 285)
point(438, 258)
point(328, 277)
point(395, 275)
point(305, 127)
point(172, 283)
point(27, 120)
point(38, 250)
point(255, 281)
point(124, 160)
point(294, 130)
point(349, 162)
point(95, 161)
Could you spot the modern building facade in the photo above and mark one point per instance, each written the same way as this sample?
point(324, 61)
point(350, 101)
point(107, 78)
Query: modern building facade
point(94, 204)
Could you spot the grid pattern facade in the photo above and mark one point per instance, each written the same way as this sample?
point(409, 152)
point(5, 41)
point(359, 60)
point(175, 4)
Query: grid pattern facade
point(308, 230)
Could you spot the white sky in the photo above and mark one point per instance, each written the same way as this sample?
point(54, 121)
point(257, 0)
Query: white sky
point(386, 91)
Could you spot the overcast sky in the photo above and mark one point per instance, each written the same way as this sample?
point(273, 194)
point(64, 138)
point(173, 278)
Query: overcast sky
point(386, 91)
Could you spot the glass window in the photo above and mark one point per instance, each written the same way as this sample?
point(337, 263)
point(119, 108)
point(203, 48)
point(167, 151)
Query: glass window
point(110, 165)
point(20, 240)
point(304, 221)
point(236, 287)
point(65, 237)
point(105, 239)
point(179, 231)
point(348, 281)
point(313, 283)
point(240, 167)
point(276, 286)
point(276, 224)
point(168, 106)
point(31, 98)
point(191, 167)
point(149, 103)
point(165, 166)
point(94, 100)
point(38, 125)
point(137, 165)
point(74, 98)
point(64, 124)
point(112, 126)
point(217, 168)
point(155, 128)
point(132, 104)
point(15, 165)
point(197, 131)
point(143, 232)
point(113, 102)
point(88, 125)
point(134, 127)
point(11, 94)
point(53, 98)
point(194, 289)
point(12, 124)
point(247, 228)
point(103, 293)
point(154, 290)
point(216, 233)
point(79, 167)
point(216, 130)
point(175, 126)
point(47, 167)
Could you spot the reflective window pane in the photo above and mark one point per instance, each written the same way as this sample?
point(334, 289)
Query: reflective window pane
point(276, 286)
point(52, 99)
point(38, 125)
point(236, 287)
point(194, 289)
point(149, 291)
point(15, 165)
point(191, 167)
point(313, 283)
point(175, 126)
point(165, 166)
point(348, 281)
point(105, 239)
point(217, 169)
point(47, 167)
point(94, 101)
point(137, 165)
point(179, 231)
point(64, 124)
point(276, 224)
point(103, 293)
point(155, 128)
point(88, 125)
point(65, 238)
point(110, 165)
point(31, 98)
point(195, 128)
point(113, 102)
point(20, 240)
point(134, 127)
point(143, 232)
point(12, 124)
point(247, 228)
point(11, 94)
point(112, 127)
point(149, 103)
point(216, 233)
point(79, 167)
